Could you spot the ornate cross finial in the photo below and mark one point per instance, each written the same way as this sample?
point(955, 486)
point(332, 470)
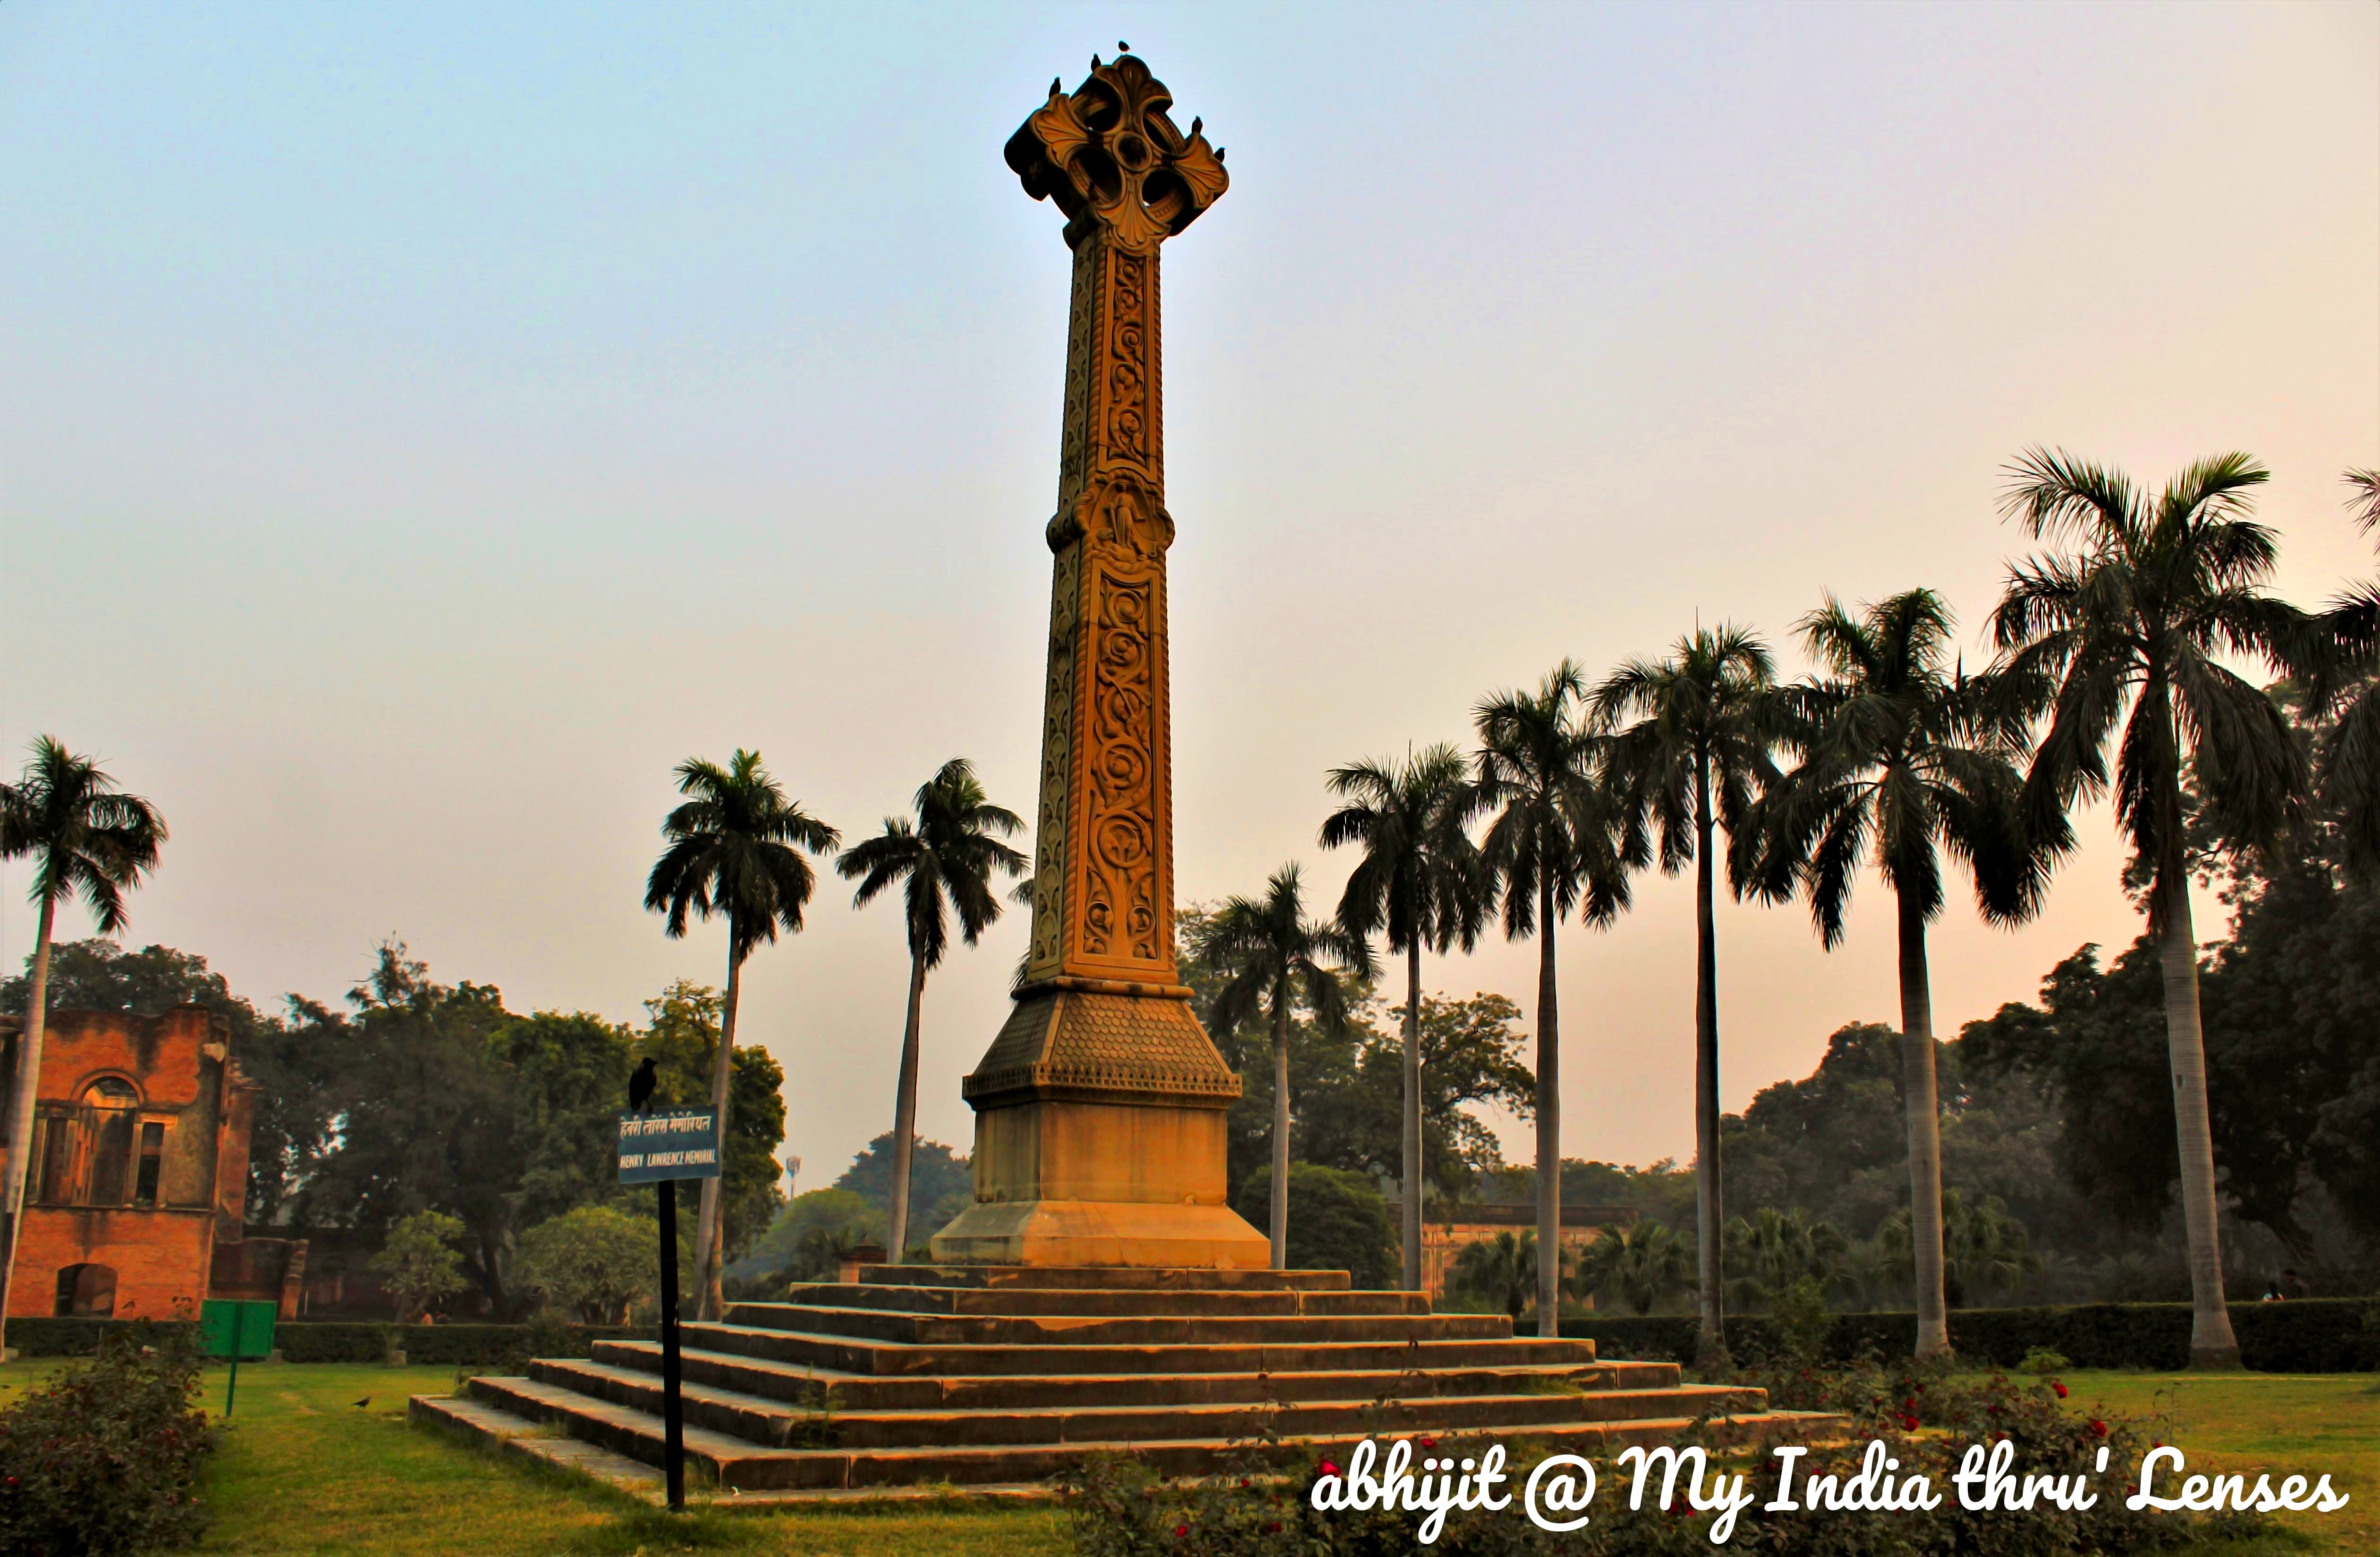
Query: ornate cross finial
point(1108, 153)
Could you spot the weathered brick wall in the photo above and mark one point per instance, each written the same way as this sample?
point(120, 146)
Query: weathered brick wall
point(160, 1257)
point(185, 1078)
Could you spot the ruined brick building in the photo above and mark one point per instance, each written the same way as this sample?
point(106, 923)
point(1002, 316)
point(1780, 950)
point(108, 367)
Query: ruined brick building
point(139, 1182)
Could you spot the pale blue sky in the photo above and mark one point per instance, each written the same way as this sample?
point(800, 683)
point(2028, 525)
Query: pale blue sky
point(422, 425)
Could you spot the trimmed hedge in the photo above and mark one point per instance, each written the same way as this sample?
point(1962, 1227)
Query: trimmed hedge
point(2306, 1335)
point(460, 1345)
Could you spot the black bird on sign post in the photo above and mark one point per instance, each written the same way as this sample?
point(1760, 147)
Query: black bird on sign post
point(640, 1087)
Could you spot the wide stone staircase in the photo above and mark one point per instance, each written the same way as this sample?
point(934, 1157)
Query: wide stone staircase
point(992, 1379)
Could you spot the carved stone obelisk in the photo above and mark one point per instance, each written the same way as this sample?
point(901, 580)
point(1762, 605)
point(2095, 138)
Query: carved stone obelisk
point(1099, 1107)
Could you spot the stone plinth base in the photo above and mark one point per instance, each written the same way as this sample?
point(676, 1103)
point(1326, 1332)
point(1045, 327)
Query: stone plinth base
point(1100, 1132)
point(1111, 1233)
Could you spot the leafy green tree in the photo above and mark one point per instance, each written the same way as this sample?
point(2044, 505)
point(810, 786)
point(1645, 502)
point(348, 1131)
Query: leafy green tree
point(424, 1118)
point(1641, 1263)
point(734, 851)
point(2126, 629)
point(1275, 960)
point(418, 1263)
point(944, 862)
point(87, 838)
point(1501, 1272)
point(1694, 761)
point(1418, 884)
point(568, 1082)
point(941, 1182)
point(1555, 841)
point(815, 1230)
point(1338, 1221)
point(1351, 1104)
point(681, 1032)
point(594, 1263)
point(1901, 757)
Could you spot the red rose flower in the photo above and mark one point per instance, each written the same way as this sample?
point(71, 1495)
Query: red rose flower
point(1180, 1531)
point(1330, 1469)
point(2059, 1388)
point(1430, 1443)
point(2098, 1428)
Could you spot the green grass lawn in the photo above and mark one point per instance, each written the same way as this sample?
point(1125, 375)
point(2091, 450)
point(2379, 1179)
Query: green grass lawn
point(306, 1469)
point(2308, 1424)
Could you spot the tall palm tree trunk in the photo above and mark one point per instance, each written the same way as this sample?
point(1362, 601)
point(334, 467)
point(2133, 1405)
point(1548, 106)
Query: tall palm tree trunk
point(1710, 1343)
point(1548, 1124)
point(20, 1108)
point(905, 1111)
point(711, 1232)
point(2212, 1343)
point(1412, 1164)
point(1281, 1129)
point(1922, 1103)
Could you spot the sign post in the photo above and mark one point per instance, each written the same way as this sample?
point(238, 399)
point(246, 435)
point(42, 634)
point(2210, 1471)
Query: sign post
point(661, 1148)
point(235, 1327)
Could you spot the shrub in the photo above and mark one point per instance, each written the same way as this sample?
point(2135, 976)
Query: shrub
point(104, 1458)
point(1337, 1222)
point(1123, 1508)
point(2306, 1335)
point(436, 1346)
point(2042, 1360)
point(418, 1264)
point(593, 1264)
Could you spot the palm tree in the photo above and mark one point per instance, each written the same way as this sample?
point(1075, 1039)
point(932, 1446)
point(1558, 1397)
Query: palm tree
point(1689, 764)
point(734, 851)
point(1642, 1263)
point(87, 838)
point(2340, 673)
point(1276, 959)
point(1501, 1270)
point(2133, 618)
point(1418, 883)
point(1901, 759)
point(943, 862)
point(1774, 1248)
point(1556, 842)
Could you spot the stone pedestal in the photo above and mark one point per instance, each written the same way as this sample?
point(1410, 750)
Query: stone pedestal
point(1099, 1107)
point(1099, 1140)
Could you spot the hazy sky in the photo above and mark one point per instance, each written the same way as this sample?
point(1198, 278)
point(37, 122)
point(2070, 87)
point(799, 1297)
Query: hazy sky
point(422, 425)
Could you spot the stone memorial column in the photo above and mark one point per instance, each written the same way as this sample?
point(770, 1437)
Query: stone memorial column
point(1101, 1106)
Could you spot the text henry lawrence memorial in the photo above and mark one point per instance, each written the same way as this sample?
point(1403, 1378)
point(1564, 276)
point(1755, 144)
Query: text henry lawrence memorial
point(1101, 1106)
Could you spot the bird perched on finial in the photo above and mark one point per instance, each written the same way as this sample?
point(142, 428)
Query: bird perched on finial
point(1056, 83)
point(640, 1087)
point(1095, 61)
point(1122, 47)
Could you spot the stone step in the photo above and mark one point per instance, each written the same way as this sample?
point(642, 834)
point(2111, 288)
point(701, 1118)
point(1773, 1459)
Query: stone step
point(503, 1432)
point(852, 1353)
point(807, 1386)
point(1087, 1301)
point(775, 1423)
point(1110, 1277)
point(1116, 1330)
point(739, 1465)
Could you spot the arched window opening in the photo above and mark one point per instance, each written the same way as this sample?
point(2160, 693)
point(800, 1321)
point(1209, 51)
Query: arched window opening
point(111, 1101)
point(86, 1292)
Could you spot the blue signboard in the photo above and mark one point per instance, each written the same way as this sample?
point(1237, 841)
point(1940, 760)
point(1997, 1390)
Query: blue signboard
point(672, 1144)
